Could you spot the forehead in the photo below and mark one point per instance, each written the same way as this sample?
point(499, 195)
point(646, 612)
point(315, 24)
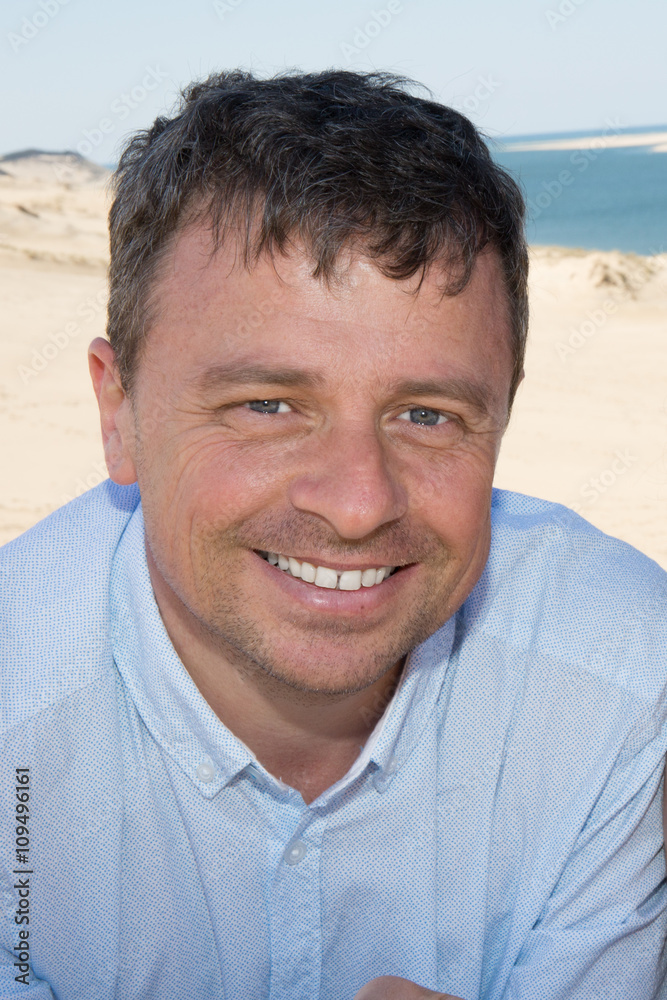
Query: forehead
point(208, 306)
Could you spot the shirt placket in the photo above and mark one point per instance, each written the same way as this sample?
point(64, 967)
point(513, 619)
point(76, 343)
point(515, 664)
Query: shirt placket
point(294, 902)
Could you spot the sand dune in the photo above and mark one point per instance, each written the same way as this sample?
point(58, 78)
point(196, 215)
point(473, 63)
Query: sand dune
point(590, 422)
point(52, 208)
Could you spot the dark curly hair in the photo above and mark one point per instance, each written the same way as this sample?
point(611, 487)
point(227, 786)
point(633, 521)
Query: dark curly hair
point(330, 160)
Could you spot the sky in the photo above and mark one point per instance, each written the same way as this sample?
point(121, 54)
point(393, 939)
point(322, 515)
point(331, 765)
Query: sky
point(82, 75)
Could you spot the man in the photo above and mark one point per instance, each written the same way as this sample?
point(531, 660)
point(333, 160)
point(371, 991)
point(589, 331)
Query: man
point(305, 710)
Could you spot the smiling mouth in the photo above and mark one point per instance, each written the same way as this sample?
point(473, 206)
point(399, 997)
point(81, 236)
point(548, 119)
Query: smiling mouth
point(325, 576)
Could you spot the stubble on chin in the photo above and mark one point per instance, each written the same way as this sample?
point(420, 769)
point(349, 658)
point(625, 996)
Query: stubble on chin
point(309, 654)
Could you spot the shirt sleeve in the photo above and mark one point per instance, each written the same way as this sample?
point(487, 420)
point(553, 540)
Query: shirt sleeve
point(602, 933)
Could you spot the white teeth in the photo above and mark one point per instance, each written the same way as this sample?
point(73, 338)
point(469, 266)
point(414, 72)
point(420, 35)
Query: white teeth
point(330, 579)
point(295, 567)
point(350, 580)
point(325, 577)
point(308, 572)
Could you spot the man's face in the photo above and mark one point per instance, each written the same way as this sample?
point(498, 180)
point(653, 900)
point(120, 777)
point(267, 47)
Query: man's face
point(350, 428)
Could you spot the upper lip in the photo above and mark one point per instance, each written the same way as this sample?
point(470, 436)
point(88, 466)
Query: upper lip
point(332, 563)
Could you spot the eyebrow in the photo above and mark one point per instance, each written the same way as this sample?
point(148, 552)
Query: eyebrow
point(244, 373)
point(475, 394)
point(219, 376)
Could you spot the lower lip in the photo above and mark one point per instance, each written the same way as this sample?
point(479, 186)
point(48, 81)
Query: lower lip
point(351, 602)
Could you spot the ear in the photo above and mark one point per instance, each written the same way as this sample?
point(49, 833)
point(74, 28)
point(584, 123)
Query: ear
point(521, 376)
point(116, 416)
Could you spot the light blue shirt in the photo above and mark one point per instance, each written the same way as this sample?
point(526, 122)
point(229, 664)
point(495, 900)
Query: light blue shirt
point(499, 836)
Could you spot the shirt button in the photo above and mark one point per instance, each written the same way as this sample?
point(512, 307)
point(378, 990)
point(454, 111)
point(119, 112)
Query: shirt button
point(383, 779)
point(205, 771)
point(295, 852)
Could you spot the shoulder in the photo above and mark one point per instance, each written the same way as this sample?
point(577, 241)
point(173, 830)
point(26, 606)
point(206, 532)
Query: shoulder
point(558, 586)
point(54, 584)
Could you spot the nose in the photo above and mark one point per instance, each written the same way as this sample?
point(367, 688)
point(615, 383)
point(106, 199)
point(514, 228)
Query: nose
point(349, 483)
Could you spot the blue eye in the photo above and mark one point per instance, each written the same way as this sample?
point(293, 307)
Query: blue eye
point(268, 406)
point(423, 417)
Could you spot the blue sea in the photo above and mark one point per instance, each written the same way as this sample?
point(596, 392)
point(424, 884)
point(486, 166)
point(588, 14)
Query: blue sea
point(601, 199)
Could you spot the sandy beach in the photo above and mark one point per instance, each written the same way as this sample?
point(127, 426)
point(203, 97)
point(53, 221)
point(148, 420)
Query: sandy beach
point(589, 428)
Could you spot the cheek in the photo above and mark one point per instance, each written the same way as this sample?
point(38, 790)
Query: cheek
point(451, 493)
point(193, 476)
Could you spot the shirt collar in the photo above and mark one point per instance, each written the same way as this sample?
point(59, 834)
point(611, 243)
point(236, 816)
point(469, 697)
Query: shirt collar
point(185, 726)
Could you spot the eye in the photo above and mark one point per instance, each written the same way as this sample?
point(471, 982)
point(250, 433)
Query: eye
point(268, 406)
point(424, 417)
